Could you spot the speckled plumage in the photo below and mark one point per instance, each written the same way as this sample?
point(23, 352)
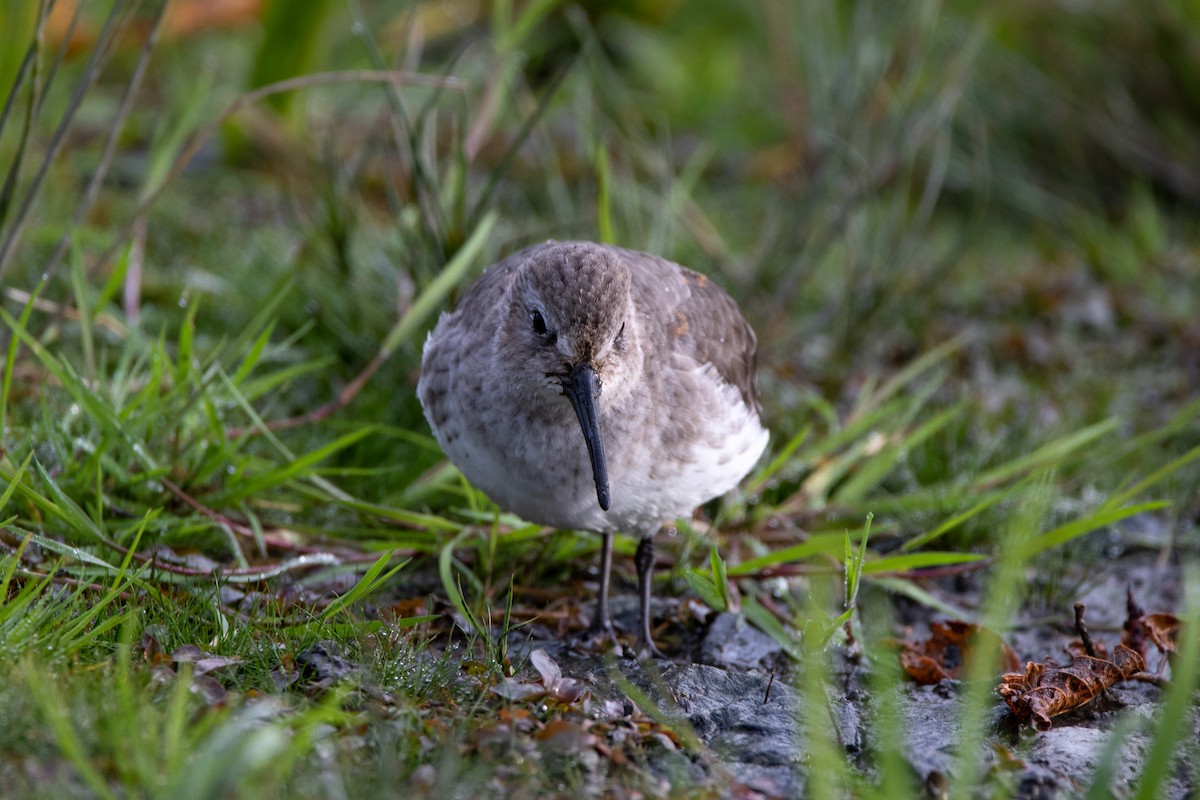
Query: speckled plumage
point(674, 361)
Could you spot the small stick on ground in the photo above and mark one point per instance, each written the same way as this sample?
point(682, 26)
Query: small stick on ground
point(1151, 678)
point(1082, 630)
point(1133, 608)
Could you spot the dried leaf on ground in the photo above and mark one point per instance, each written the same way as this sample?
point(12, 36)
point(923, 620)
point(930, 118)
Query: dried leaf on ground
point(518, 691)
point(944, 653)
point(1047, 689)
point(567, 736)
point(565, 690)
point(553, 685)
point(1143, 630)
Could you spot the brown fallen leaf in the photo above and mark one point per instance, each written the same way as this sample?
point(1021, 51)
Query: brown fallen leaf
point(152, 649)
point(1047, 689)
point(566, 736)
point(209, 689)
point(565, 690)
point(517, 718)
point(518, 691)
point(187, 652)
point(553, 685)
point(206, 665)
point(1144, 630)
point(944, 653)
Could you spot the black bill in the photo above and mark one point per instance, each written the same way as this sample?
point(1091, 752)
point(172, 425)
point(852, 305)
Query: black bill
point(581, 388)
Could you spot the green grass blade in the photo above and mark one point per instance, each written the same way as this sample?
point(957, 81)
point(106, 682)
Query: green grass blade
point(879, 466)
point(62, 726)
point(1154, 477)
point(926, 558)
point(1173, 726)
point(294, 470)
point(453, 591)
point(12, 480)
point(10, 359)
point(1076, 528)
point(91, 402)
point(906, 376)
point(373, 579)
point(435, 294)
point(830, 544)
point(1047, 455)
point(778, 462)
point(66, 509)
point(953, 522)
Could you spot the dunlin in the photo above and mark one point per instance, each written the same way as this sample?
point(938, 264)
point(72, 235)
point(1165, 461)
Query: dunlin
point(589, 387)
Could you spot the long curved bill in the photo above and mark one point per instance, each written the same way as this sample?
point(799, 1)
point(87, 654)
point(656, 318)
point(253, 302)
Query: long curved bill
point(581, 388)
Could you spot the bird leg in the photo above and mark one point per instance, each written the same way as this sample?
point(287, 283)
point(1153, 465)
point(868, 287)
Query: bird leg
point(644, 560)
point(602, 627)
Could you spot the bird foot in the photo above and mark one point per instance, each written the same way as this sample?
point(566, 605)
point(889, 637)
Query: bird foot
point(600, 637)
point(646, 648)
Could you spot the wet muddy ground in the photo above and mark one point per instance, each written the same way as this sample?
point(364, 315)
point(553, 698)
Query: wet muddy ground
point(737, 694)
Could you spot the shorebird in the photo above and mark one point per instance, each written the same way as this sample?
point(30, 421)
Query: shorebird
point(589, 387)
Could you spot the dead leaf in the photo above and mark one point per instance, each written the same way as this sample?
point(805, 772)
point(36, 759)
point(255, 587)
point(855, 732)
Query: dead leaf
point(518, 718)
point(211, 663)
point(566, 736)
point(282, 678)
point(186, 652)
point(151, 648)
point(1159, 630)
point(517, 691)
point(209, 688)
point(546, 666)
point(943, 654)
point(565, 690)
point(1046, 689)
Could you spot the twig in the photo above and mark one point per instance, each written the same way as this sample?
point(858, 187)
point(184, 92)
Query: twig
point(106, 321)
point(1151, 678)
point(67, 581)
point(770, 683)
point(1133, 609)
point(317, 558)
point(278, 542)
point(1082, 630)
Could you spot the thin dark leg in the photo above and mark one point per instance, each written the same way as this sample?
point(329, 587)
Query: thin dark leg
point(602, 626)
point(644, 560)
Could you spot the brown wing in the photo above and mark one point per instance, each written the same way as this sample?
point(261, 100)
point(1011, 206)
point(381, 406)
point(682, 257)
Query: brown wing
point(699, 319)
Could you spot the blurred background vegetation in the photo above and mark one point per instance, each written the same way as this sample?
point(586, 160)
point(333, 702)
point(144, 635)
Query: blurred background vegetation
point(215, 215)
point(869, 179)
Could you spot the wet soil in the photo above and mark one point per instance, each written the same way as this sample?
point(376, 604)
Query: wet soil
point(736, 690)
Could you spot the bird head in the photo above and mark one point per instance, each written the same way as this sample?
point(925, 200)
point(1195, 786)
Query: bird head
point(571, 330)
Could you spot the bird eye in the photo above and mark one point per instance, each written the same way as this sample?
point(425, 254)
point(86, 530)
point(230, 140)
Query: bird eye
point(537, 324)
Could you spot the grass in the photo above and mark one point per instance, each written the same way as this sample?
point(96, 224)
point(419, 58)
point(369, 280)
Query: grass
point(977, 330)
